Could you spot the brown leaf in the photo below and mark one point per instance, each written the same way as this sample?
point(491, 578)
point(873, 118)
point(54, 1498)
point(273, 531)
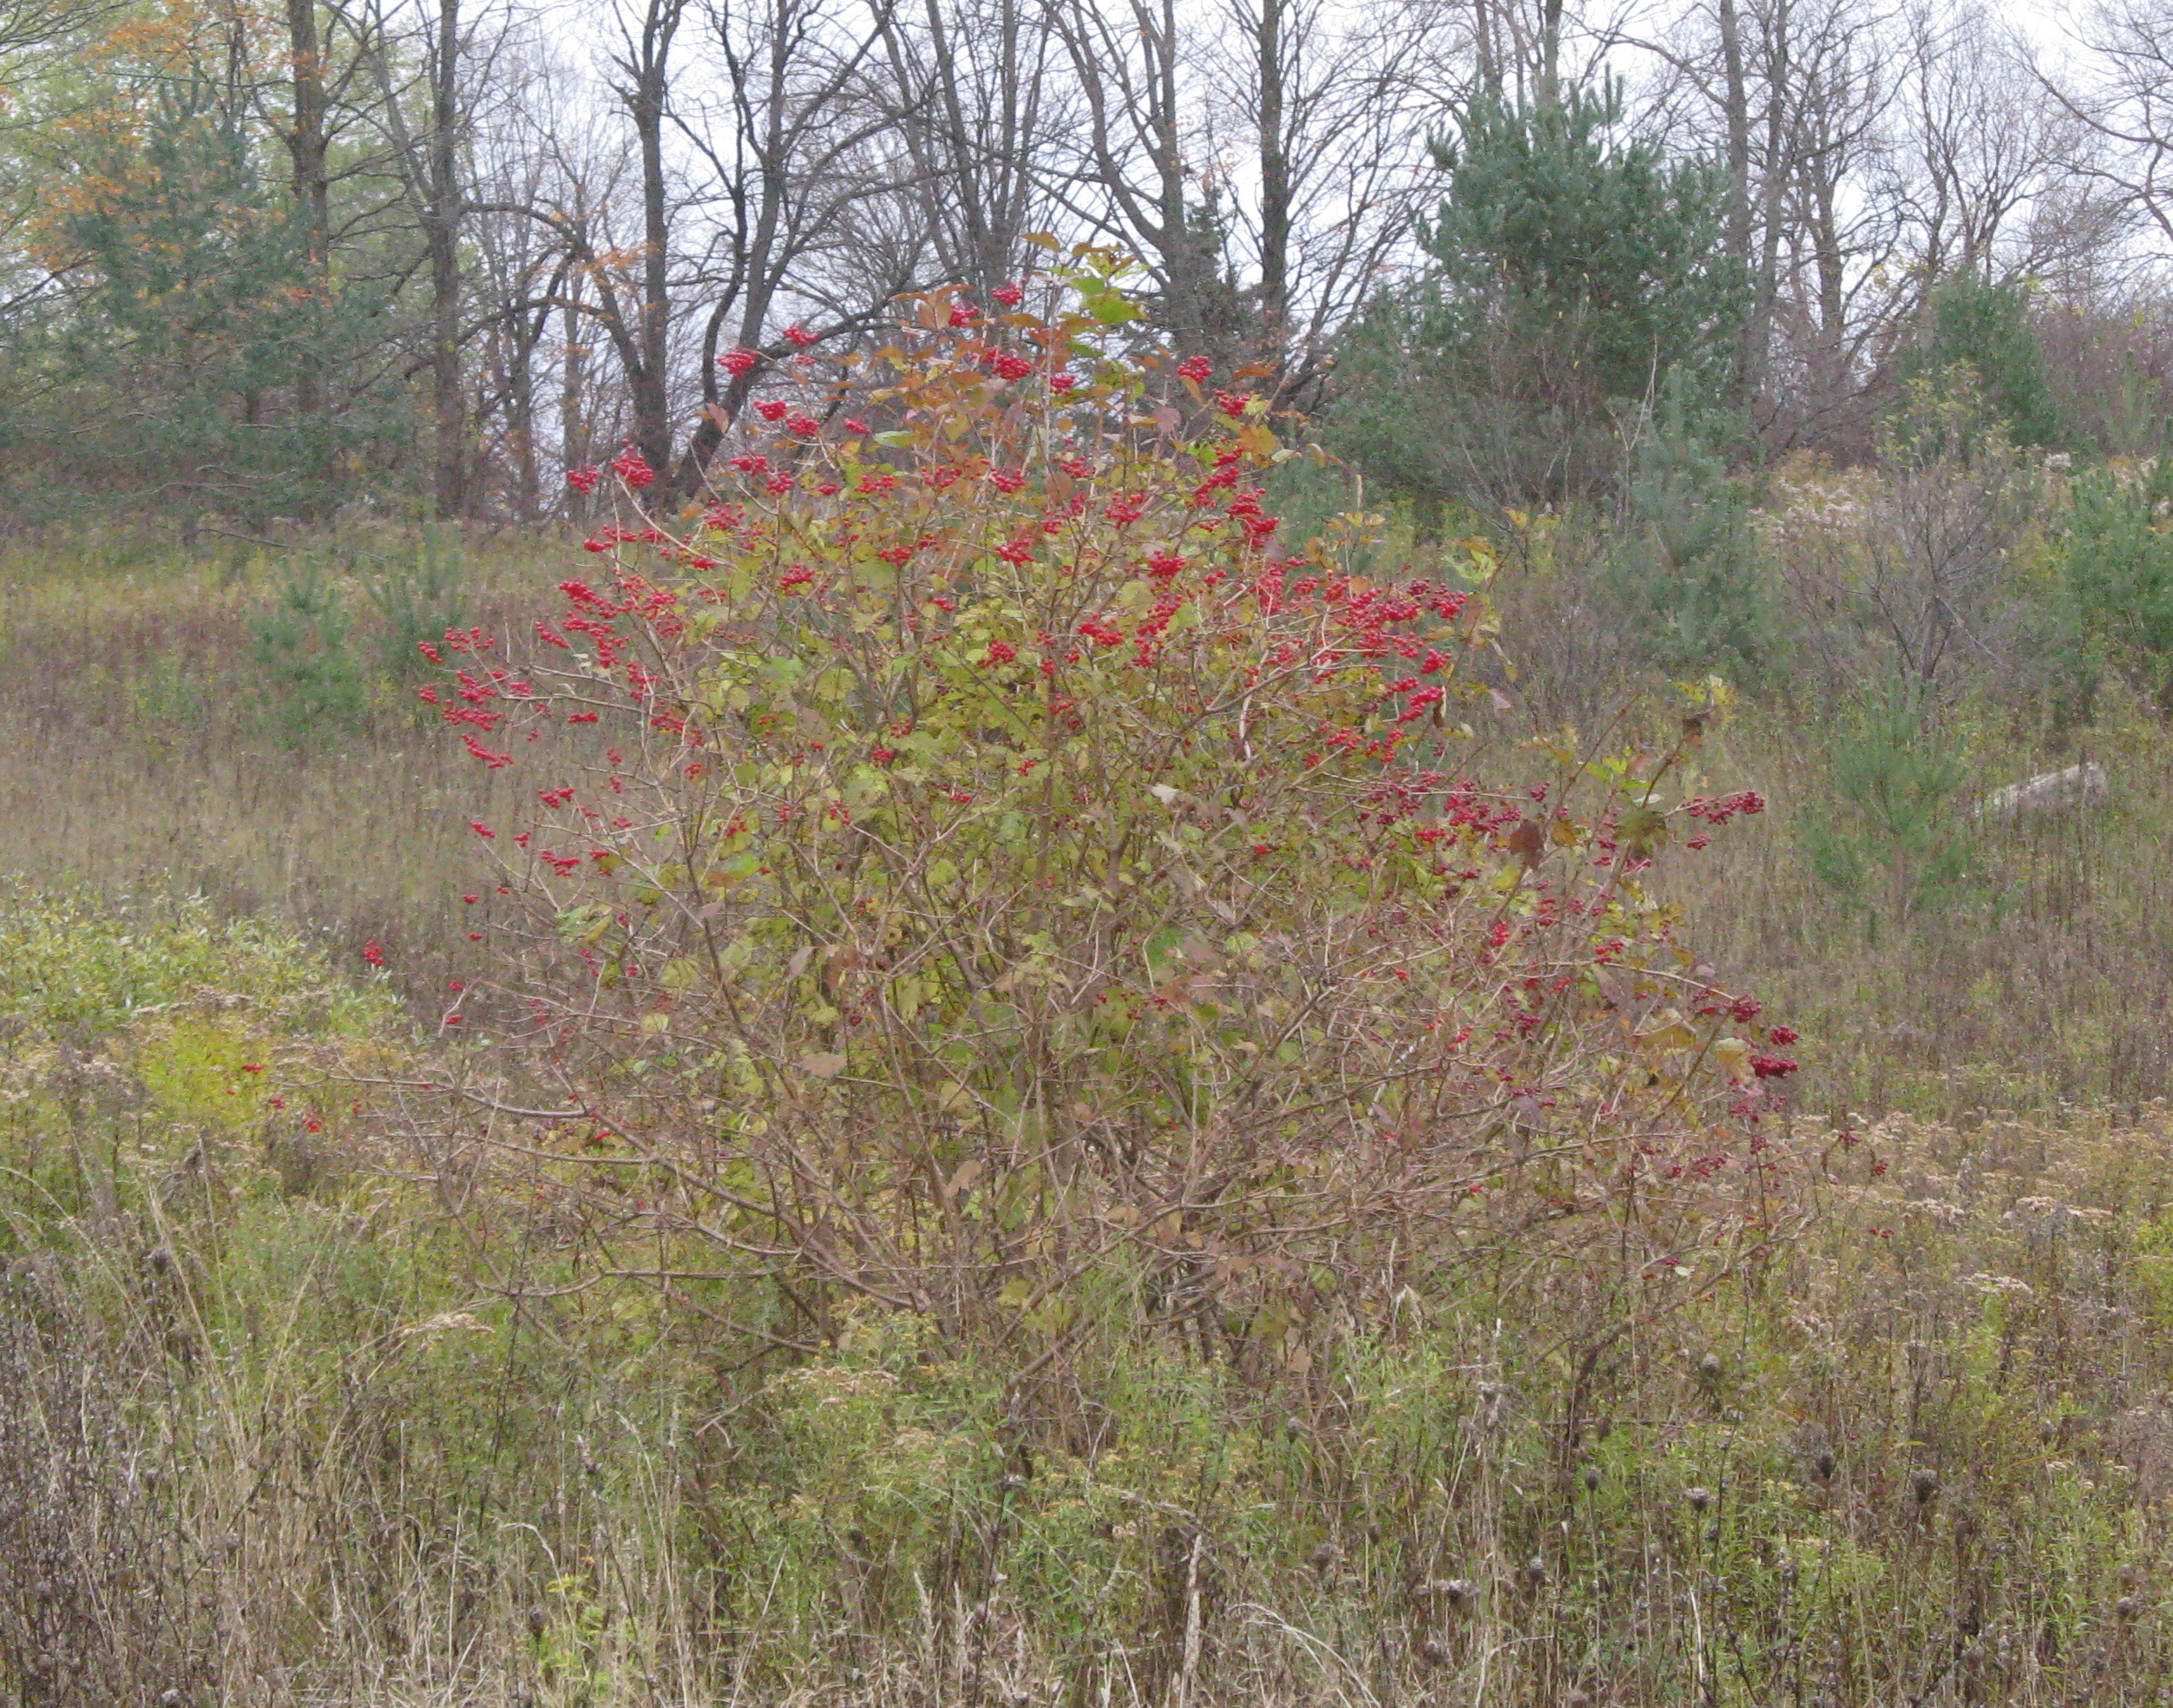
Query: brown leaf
point(969, 1172)
point(1528, 841)
point(838, 960)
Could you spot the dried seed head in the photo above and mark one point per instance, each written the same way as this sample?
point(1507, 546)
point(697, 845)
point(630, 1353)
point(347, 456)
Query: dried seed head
point(1534, 1573)
point(1460, 1593)
point(1924, 1485)
point(1708, 1367)
point(2124, 1608)
point(1700, 1498)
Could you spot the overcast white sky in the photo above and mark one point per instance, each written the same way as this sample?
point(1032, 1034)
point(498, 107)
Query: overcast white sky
point(2047, 25)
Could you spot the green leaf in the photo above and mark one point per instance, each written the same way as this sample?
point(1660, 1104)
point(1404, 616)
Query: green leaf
point(1111, 309)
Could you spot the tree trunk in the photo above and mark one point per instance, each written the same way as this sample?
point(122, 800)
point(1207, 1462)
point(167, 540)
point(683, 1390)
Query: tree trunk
point(526, 332)
point(312, 186)
point(440, 233)
point(1485, 46)
point(1779, 168)
point(572, 419)
point(646, 94)
point(1550, 53)
point(1274, 184)
point(1737, 98)
point(1187, 300)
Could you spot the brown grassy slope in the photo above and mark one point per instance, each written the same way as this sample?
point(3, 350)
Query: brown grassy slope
point(2037, 981)
point(150, 749)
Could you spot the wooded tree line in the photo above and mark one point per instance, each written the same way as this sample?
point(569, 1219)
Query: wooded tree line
point(275, 258)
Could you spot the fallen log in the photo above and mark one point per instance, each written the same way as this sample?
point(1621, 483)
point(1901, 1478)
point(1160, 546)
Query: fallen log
point(2074, 790)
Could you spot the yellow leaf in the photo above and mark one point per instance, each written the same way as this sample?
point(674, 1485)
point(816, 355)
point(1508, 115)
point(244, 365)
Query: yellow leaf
point(1665, 1031)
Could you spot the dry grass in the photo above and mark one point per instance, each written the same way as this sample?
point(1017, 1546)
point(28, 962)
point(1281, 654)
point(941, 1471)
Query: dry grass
point(387, 1429)
point(2036, 984)
point(1925, 1458)
point(149, 754)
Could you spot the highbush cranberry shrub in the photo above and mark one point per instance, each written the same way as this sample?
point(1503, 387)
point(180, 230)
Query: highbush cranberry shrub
point(978, 865)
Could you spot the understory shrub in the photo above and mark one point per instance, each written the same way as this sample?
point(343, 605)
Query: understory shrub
point(1685, 574)
point(1890, 839)
point(419, 596)
point(304, 654)
point(2119, 564)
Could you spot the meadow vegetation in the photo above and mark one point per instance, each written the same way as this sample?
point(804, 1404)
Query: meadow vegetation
point(1017, 1100)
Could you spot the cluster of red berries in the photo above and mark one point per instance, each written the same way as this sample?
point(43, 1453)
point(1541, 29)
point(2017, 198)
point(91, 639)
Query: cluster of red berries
point(1719, 809)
